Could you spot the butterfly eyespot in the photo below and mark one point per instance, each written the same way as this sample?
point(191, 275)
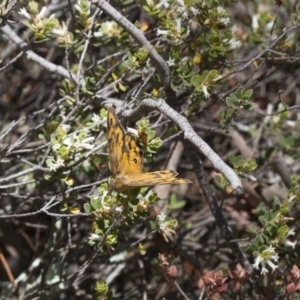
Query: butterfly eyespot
point(135, 160)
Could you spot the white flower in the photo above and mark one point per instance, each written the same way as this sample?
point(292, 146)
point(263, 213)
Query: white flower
point(56, 147)
point(255, 23)
point(233, 44)
point(266, 257)
point(95, 237)
point(86, 163)
point(180, 2)
point(150, 3)
point(43, 13)
point(258, 260)
point(133, 131)
point(85, 143)
point(221, 10)
point(161, 217)
point(60, 162)
point(160, 220)
point(290, 244)
point(162, 227)
point(163, 3)
point(96, 119)
point(171, 62)
point(183, 13)
point(162, 32)
point(272, 265)
point(119, 209)
point(109, 25)
point(264, 271)
point(54, 165)
point(65, 127)
point(98, 34)
point(24, 13)
point(109, 29)
point(290, 123)
point(219, 77)
point(61, 32)
point(194, 11)
point(205, 92)
point(178, 25)
point(184, 60)
point(291, 232)
point(88, 7)
point(224, 21)
point(270, 25)
point(69, 141)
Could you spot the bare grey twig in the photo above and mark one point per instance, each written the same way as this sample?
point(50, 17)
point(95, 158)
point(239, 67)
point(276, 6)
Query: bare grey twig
point(159, 63)
point(51, 67)
point(269, 48)
point(190, 135)
point(217, 213)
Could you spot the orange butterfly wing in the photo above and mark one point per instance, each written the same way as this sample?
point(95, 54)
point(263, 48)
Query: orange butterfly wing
point(126, 161)
point(124, 153)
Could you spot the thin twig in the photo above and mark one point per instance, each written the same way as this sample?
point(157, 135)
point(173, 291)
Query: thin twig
point(190, 135)
point(159, 63)
point(217, 212)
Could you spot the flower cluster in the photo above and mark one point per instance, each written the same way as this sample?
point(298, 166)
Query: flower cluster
point(40, 24)
point(67, 145)
point(166, 226)
point(266, 257)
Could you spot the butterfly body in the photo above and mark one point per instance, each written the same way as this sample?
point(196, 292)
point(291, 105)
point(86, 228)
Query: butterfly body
point(125, 158)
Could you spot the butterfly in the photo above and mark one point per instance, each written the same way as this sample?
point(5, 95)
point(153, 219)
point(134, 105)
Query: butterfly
point(125, 158)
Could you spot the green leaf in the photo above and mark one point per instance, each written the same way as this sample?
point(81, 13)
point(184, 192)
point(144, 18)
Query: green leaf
point(87, 208)
point(249, 93)
point(288, 142)
point(230, 102)
point(248, 105)
point(240, 92)
point(152, 225)
point(175, 203)
point(68, 181)
point(236, 161)
point(48, 177)
point(63, 206)
point(196, 80)
point(95, 203)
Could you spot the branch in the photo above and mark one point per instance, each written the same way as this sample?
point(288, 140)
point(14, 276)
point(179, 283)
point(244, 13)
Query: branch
point(273, 44)
point(159, 63)
point(148, 105)
point(217, 213)
point(36, 58)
